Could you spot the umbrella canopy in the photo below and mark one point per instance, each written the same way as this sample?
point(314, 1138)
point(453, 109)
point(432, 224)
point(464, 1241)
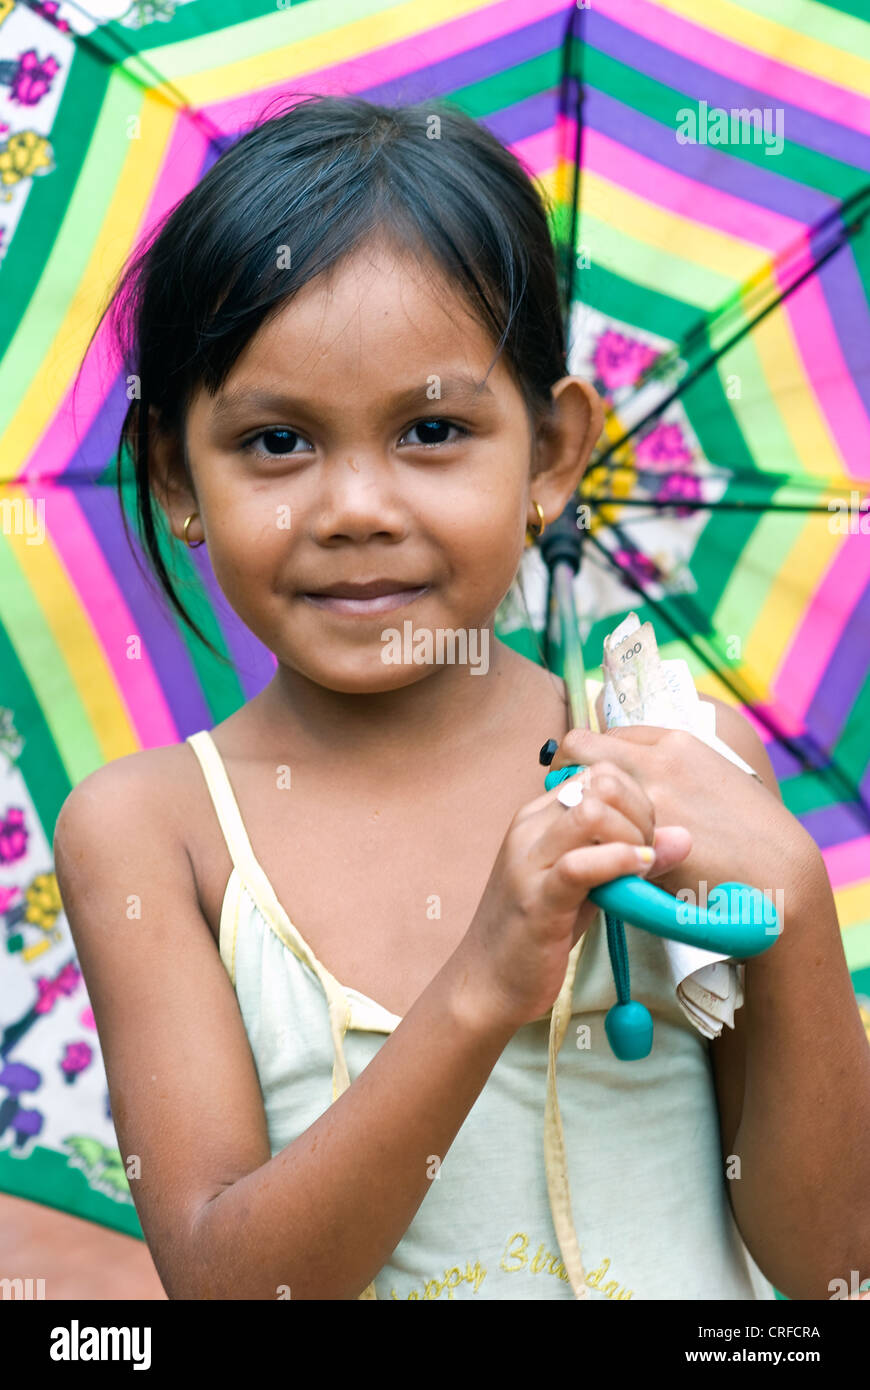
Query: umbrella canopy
point(718, 264)
point(670, 249)
point(108, 121)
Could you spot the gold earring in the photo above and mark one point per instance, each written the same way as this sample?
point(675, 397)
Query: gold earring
point(194, 545)
point(531, 535)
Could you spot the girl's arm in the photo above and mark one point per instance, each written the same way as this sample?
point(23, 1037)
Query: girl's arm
point(223, 1219)
point(793, 1081)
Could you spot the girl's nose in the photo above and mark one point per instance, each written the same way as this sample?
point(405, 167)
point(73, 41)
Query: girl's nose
point(358, 499)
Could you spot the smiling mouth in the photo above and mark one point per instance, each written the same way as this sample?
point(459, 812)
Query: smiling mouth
point(368, 606)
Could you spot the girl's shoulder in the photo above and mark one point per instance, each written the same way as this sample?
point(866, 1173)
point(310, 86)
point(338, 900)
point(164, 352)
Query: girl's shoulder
point(149, 792)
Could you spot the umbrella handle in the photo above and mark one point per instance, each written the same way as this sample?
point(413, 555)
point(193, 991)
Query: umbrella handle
point(740, 922)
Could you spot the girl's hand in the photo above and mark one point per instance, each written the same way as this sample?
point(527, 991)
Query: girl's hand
point(534, 907)
point(740, 831)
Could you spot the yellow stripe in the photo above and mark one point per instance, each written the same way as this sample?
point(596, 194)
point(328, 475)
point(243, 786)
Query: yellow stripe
point(815, 547)
point(717, 251)
point(357, 40)
point(135, 187)
point(801, 415)
point(776, 41)
point(780, 617)
point(76, 644)
point(853, 904)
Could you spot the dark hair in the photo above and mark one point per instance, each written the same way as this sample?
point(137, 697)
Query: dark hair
point(321, 177)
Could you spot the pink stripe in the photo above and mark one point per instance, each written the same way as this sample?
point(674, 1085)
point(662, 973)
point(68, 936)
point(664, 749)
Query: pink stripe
point(815, 639)
point(395, 60)
point(103, 602)
point(108, 614)
point(830, 376)
point(784, 719)
point(741, 64)
point(848, 863)
point(182, 162)
point(673, 192)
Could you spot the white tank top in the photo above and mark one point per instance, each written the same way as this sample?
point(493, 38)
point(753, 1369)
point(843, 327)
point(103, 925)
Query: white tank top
point(612, 1188)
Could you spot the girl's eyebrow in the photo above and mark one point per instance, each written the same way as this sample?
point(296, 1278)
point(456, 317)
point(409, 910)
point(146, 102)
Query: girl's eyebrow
point(459, 388)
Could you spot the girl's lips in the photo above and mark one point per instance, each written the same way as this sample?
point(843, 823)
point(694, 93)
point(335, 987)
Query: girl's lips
point(365, 607)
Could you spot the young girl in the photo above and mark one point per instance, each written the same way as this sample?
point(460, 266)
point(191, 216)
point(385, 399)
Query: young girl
point(334, 945)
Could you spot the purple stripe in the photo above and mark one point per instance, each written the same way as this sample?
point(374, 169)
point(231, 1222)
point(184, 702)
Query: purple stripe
point(783, 761)
point(844, 675)
point(800, 127)
point(831, 825)
point(253, 663)
point(706, 164)
point(477, 64)
point(99, 504)
point(846, 297)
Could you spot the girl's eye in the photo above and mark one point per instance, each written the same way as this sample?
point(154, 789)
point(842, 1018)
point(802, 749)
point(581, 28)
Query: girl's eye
point(277, 442)
point(432, 431)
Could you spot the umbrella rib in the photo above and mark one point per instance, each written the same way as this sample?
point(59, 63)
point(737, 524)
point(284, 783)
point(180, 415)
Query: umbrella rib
point(850, 793)
point(575, 17)
point(207, 127)
point(714, 356)
point(712, 506)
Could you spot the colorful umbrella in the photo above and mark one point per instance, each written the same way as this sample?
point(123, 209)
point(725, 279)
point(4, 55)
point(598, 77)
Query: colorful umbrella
point(716, 257)
point(108, 121)
point(669, 249)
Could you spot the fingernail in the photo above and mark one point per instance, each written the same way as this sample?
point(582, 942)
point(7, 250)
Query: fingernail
point(645, 856)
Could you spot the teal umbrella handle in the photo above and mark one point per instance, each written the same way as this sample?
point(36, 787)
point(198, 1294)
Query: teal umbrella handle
point(739, 921)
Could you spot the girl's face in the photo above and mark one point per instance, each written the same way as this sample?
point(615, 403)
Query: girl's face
point(348, 445)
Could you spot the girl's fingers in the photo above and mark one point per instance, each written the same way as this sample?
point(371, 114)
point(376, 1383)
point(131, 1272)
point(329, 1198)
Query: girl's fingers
point(672, 844)
point(592, 821)
point(585, 746)
point(604, 784)
point(580, 870)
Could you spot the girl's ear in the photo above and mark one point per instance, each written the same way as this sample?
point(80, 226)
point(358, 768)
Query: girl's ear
point(564, 443)
point(170, 474)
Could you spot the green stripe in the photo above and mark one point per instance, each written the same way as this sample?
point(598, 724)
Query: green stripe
point(808, 791)
point(856, 944)
point(46, 1177)
point(858, 8)
point(251, 37)
point(50, 193)
point(510, 86)
point(651, 267)
point(52, 684)
point(198, 21)
point(39, 763)
point(852, 748)
point(837, 30)
point(220, 685)
point(72, 249)
point(665, 315)
point(662, 103)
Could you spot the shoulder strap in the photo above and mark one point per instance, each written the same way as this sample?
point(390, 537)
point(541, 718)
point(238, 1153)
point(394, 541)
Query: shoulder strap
point(225, 805)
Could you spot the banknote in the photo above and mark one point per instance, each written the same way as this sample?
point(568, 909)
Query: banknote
point(642, 688)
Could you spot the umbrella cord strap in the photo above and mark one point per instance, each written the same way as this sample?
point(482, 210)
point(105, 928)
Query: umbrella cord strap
point(618, 950)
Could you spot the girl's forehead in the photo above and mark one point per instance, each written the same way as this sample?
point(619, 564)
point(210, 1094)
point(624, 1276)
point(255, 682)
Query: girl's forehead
point(370, 322)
